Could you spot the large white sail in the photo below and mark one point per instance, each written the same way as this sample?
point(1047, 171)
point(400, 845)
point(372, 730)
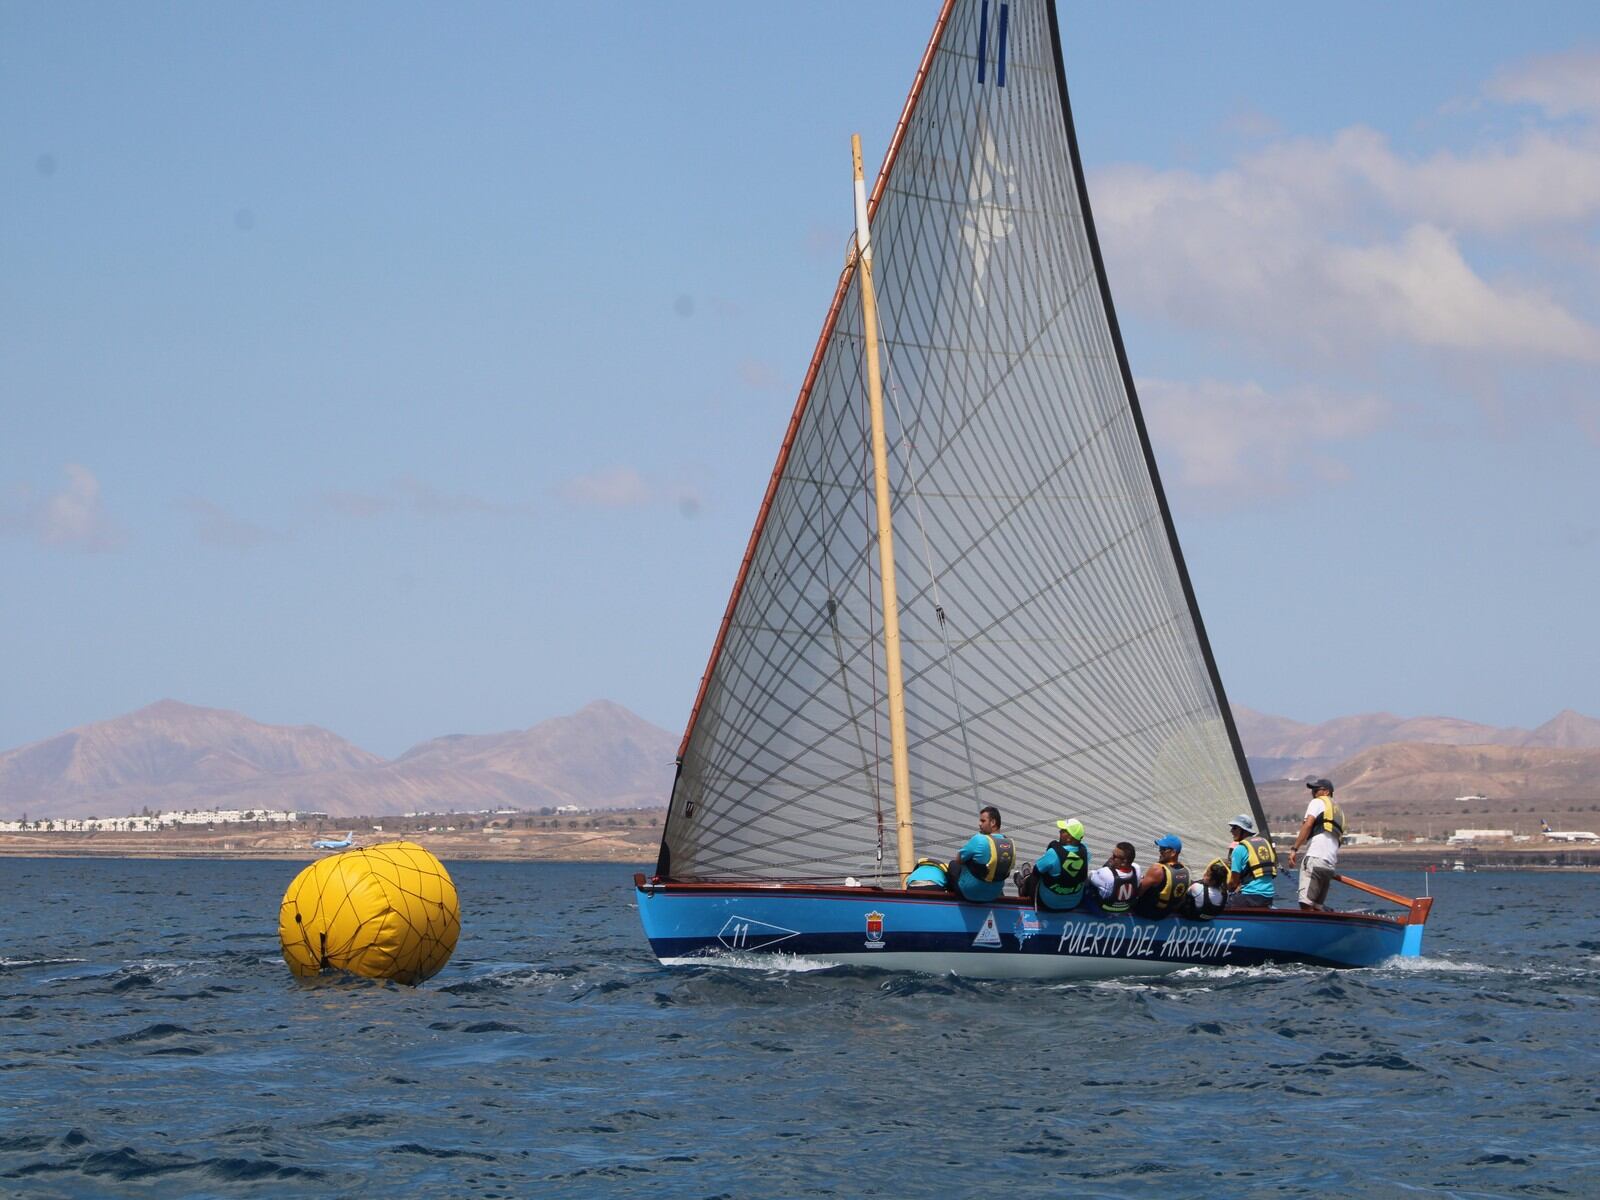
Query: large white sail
point(1055, 664)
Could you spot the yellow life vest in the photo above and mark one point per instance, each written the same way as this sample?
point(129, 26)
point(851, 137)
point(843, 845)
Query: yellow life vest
point(1261, 860)
point(1176, 884)
point(1331, 820)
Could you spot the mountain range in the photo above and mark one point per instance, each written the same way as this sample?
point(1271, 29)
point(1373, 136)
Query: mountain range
point(171, 755)
point(1280, 747)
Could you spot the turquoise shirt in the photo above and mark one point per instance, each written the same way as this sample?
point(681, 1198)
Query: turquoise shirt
point(1048, 867)
point(976, 852)
point(1239, 863)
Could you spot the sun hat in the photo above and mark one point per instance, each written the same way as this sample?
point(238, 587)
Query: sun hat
point(1244, 822)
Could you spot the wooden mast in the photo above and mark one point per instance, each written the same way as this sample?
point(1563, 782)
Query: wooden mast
point(899, 758)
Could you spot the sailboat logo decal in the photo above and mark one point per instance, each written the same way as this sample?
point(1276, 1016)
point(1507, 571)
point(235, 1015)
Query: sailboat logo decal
point(989, 935)
point(746, 933)
point(991, 192)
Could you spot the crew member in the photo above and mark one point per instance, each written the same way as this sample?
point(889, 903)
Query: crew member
point(1164, 885)
point(1320, 834)
point(1056, 882)
point(983, 864)
point(1113, 886)
point(1252, 866)
point(1209, 897)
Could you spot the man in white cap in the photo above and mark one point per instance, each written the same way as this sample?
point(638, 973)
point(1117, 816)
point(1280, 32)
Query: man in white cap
point(1320, 834)
point(1057, 880)
point(1252, 866)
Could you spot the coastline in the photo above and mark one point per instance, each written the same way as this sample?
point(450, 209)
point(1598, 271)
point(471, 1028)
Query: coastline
point(634, 838)
point(603, 845)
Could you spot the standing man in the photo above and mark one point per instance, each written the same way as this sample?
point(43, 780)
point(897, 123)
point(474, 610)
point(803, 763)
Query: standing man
point(1166, 884)
point(1252, 866)
point(981, 868)
point(1320, 834)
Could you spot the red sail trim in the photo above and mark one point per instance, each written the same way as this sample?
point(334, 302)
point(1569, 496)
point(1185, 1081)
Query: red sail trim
point(811, 372)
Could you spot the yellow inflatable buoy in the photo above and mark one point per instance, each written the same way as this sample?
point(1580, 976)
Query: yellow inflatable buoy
point(386, 912)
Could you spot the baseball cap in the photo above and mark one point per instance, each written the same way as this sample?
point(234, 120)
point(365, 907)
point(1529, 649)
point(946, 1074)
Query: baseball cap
point(1168, 841)
point(1244, 822)
point(1072, 826)
point(1316, 784)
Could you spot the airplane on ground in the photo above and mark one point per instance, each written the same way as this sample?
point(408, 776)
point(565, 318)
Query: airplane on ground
point(335, 843)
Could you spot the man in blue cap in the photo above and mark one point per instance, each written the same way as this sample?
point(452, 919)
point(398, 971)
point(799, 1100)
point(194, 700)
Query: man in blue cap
point(1166, 884)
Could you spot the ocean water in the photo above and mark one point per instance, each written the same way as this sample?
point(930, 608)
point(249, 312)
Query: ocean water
point(153, 1043)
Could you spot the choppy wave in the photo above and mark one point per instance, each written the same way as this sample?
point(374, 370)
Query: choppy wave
point(164, 1049)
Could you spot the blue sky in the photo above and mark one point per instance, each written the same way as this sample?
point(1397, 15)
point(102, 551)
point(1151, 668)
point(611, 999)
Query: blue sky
point(411, 369)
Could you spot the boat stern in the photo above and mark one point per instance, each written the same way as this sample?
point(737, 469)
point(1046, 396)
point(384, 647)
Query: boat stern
point(1416, 919)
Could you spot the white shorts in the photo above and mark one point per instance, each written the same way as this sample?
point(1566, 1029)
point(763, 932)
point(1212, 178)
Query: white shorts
point(1315, 876)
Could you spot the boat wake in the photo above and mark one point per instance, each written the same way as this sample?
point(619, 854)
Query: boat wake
point(774, 963)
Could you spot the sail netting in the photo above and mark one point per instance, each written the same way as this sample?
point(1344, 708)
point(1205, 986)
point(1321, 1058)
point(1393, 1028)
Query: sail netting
point(1054, 663)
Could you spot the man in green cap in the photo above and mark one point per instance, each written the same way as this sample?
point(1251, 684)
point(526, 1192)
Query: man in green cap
point(1056, 882)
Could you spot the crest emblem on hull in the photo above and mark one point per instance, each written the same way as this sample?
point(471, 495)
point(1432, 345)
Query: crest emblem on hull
point(874, 931)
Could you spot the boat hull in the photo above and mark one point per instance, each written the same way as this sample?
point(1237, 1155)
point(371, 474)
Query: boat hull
point(754, 924)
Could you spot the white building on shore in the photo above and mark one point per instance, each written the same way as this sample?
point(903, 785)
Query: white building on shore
point(153, 823)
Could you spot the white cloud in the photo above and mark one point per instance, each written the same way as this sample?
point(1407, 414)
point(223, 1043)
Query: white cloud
point(215, 526)
point(73, 518)
point(1233, 440)
point(624, 487)
point(754, 373)
point(429, 502)
point(1560, 84)
point(1340, 246)
point(355, 504)
point(414, 495)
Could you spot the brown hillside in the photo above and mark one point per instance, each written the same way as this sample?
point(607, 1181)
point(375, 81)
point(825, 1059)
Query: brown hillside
point(176, 752)
point(1569, 729)
point(173, 755)
point(1332, 741)
point(1417, 788)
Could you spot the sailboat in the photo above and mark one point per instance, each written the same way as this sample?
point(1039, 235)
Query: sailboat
point(964, 588)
